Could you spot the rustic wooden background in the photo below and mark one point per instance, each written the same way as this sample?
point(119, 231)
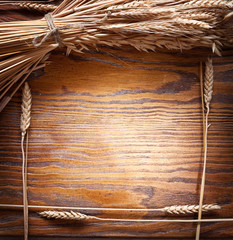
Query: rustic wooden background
point(119, 128)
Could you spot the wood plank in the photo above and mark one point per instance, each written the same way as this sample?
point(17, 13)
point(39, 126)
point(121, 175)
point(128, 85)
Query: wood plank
point(120, 129)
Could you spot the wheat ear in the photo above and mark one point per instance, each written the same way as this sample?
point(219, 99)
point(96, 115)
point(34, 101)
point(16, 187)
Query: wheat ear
point(208, 83)
point(208, 91)
point(39, 7)
point(65, 215)
point(25, 123)
point(26, 109)
point(210, 3)
point(187, 209)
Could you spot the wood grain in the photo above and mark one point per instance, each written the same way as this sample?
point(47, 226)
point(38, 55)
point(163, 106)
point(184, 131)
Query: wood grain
point(120, 129)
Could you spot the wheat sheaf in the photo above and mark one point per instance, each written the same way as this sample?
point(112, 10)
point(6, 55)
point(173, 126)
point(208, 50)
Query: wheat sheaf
point(84, 25)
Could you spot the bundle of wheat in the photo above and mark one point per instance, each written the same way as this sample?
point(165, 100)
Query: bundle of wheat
point(83, 24)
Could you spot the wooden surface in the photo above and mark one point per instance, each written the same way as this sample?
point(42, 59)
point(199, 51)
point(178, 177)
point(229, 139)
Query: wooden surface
point(119, 129)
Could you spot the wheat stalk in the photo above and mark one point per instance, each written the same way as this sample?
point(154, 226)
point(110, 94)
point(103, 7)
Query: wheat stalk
point(183, 209)
point(40, 7)
point(207, 95)
point(24, 125)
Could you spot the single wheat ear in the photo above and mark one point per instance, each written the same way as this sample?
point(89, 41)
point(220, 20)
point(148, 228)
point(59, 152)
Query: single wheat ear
point(187, 209)
point(65, 215)
point(209, 82)
point(26, 109)
point(39, 7)
point(210, 3)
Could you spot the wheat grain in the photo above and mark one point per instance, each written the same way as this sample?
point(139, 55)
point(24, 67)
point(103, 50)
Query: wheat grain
point(187, 209)
point(208, 82)
point(26, 109)
point(35, 6)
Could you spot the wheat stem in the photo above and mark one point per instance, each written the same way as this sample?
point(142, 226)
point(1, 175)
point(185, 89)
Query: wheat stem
point(208, 91)
point(25, 190)
point(176, 207)
point(25, 205)
point(186, 209)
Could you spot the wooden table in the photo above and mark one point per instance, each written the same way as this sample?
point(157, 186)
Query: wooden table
point(120, 129)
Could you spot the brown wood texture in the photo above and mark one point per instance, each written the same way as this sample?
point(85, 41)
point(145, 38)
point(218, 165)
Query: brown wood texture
point(120, 129)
